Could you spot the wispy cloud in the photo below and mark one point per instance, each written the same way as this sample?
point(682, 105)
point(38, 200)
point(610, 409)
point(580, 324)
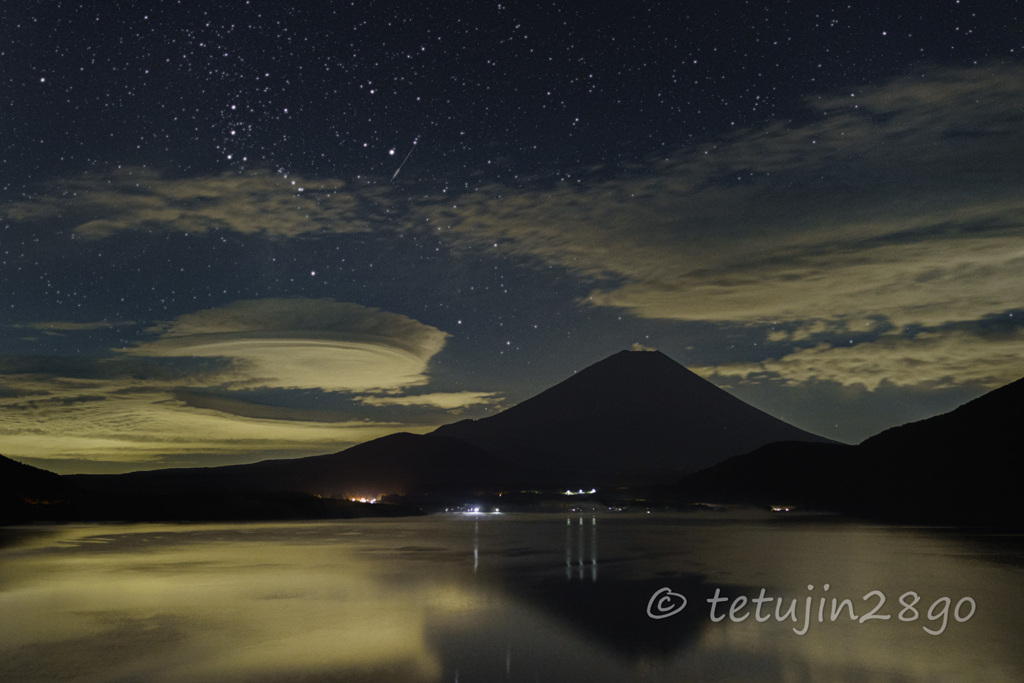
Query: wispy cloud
point(900, 202)
point(296, 343)
point(97, 205)
point(936, 359)
point(453, 401)
point(147, 405)
point(57, 327)
point(880, 194)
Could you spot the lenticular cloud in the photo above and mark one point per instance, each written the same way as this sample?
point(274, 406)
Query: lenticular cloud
point(303, 343)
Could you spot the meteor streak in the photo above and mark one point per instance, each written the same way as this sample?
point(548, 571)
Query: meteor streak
point(405, 159)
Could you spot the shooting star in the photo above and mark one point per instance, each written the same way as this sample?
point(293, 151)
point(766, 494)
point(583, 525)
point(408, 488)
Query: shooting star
point(405, 159)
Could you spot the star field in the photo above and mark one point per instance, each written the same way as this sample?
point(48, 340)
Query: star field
point(814, 205)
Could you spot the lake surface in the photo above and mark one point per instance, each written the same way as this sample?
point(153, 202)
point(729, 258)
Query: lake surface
point(521, 597)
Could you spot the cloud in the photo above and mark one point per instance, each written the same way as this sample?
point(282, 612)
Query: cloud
point(935, 359)
point(901, 202)
point(176, 397)
point(454, 401)
point(303, 343)
point(136, 198)
point(139, 430)
point(56, 327)
point(928, 281)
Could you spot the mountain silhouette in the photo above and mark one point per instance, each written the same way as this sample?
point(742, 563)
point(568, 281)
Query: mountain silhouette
point(633, 417)
point(960, 467)
point(28, 492)
point(784, 472)
point(398, 463)
point(632, 414)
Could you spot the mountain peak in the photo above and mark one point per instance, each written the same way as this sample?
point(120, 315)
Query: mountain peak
point(636, 356)
point(632, 410)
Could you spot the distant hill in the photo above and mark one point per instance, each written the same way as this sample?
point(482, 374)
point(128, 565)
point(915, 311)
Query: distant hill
point(962, 464)
point(28, 492)
point(634, 415)
point(399, 463)
point(784, 472)
point(960, 467)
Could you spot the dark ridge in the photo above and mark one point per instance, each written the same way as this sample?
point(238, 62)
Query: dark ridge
point(28, 493)
point(785, 472)
point(399, 463)
point(960, 468)
point(636, 411)
point(633, 419)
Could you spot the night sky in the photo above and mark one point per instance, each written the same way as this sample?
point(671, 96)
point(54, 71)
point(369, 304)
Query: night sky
point(241, 230)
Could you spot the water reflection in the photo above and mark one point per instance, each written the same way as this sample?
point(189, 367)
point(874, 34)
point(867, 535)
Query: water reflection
point(581, 548)
point(491, 598)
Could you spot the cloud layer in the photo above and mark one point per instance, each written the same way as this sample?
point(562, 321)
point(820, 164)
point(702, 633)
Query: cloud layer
point(303, 343)
point(887, 201)
point(136, 198)
point(152, 403)
point(899, 202)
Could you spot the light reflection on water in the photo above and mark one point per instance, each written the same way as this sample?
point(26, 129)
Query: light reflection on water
point(507, 597)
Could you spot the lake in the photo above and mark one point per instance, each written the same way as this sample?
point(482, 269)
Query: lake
point(513, 597)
